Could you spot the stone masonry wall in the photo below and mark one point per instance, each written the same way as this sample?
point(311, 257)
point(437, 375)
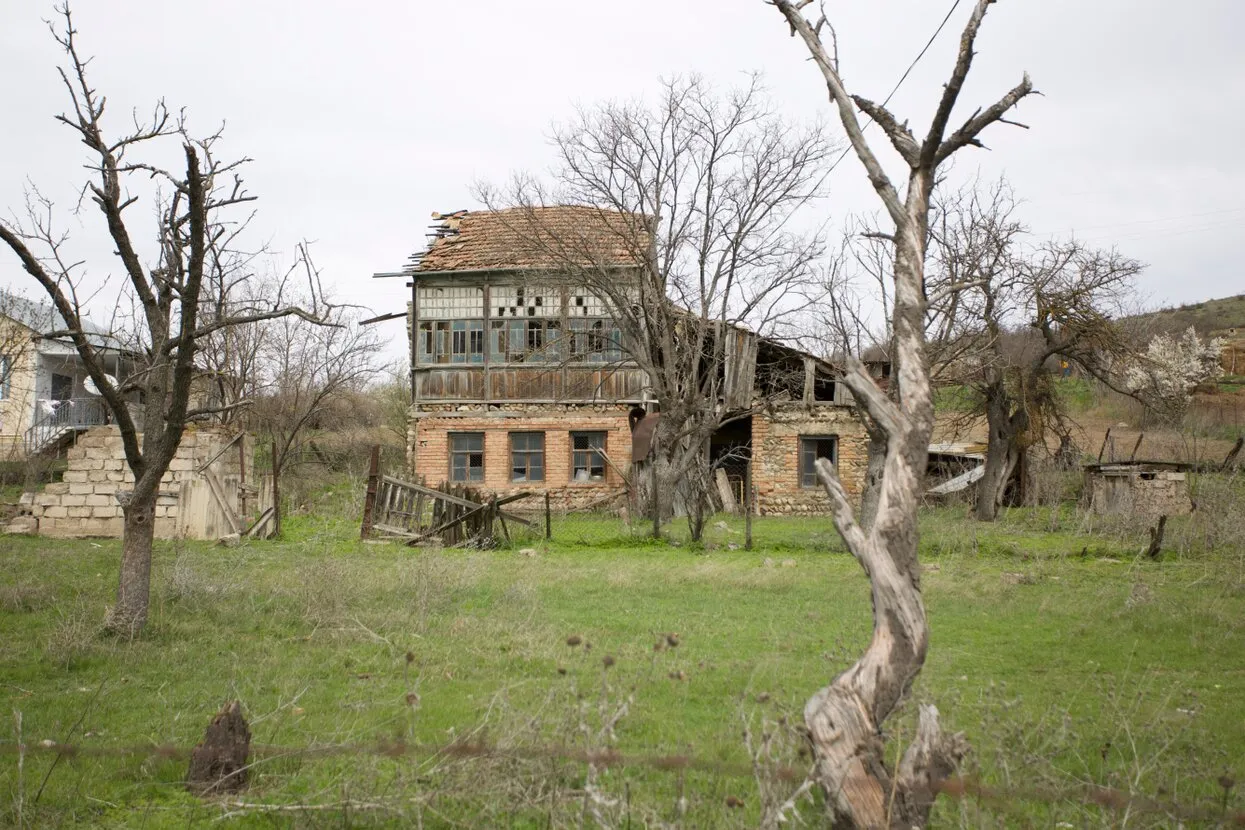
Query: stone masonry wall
point(428, 450)
point(776, 456)
point(84, 502)
point(1134, 493)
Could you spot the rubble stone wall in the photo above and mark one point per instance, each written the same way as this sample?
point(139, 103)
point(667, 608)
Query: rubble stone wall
point(776, 435)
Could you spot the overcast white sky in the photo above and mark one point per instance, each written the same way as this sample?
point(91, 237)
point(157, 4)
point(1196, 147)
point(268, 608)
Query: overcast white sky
point(362, 118)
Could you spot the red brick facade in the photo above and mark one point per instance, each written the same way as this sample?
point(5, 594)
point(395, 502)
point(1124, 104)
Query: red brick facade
point(776, 436)
point(429, 445)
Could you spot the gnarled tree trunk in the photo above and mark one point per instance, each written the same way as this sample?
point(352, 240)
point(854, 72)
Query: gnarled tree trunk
point(875, 465)
point(1002, 455)
point(845, 719)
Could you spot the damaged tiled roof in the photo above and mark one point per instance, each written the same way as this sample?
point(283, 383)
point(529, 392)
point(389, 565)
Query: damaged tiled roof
point(540, 237)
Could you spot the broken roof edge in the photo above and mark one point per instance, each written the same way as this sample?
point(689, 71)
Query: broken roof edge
point(414, 272)
point(522, 236)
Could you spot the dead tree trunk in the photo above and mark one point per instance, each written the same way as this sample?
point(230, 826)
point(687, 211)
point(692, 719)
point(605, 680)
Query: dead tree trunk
point(875, 466)
point(845, 719)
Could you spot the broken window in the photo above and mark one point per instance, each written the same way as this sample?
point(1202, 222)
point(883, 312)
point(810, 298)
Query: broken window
point(535, 336)
point(593, 341)
point(596, 337)
point(466, 456)
point(426, 348)
point(813, 447)
point(587, 456)
point(527, 456)
point(451, 341)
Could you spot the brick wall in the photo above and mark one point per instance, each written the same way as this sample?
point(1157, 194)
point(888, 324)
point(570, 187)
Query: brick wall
point(776, 456)
point(775, 437)
point(428, 450)
point(84, 502)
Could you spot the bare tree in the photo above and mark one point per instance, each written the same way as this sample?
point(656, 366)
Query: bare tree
point(1029, 306)
point(700, 191)
point(194, 223)
point(846, 329)
point(303, 369)
point(845, 718)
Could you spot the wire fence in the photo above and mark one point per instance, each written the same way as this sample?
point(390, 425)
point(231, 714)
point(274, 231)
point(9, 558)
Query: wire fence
point(1105, 798)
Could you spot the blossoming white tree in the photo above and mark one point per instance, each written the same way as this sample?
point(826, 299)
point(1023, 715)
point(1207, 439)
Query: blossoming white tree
point(1165, 376)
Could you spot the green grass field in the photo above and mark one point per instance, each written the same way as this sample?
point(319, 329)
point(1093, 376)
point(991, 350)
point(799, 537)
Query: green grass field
point(1066, 660)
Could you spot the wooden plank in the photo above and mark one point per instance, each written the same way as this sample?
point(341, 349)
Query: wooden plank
point(220, 452)
point(394, 531)
point(258, 526)
point(218, 492)
point(724, 491)
point(436, 494)
point(454, 524)
point(373, 482)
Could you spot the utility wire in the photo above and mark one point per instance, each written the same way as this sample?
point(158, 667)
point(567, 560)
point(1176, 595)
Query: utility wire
point(869, 121)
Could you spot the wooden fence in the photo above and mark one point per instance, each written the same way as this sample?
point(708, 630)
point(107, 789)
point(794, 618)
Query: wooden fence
point(454, 514)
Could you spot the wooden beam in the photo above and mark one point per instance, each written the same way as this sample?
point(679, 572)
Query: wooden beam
point(219, 452)
point(369, 502)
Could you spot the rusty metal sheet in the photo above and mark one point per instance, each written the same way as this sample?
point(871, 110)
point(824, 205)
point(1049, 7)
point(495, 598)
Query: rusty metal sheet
point(642, 436)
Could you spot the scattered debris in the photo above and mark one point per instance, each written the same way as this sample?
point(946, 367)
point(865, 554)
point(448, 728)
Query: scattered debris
point(23, 525)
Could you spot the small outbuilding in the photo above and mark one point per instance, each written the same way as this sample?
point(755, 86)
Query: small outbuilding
point(1141, 488)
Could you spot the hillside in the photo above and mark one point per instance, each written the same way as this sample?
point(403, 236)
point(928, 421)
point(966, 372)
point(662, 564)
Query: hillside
point(1209, 317)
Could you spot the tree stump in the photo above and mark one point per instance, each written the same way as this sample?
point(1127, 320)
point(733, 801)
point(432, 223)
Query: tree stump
point(218, 764)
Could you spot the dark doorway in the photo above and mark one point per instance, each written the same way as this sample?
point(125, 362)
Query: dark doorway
point(62, 387)
point(730, 449)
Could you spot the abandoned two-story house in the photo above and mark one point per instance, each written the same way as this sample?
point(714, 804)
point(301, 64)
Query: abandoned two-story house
point(46, 397)
point(520, 380)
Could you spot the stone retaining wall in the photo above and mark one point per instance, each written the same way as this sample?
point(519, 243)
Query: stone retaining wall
point(84, 503)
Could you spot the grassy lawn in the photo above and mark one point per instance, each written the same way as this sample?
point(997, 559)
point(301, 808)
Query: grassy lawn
point(1065, 660)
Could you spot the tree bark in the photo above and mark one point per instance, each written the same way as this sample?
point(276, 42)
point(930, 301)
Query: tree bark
point(845, 719)
point(1002, 456)
point(129, 614)
point(875, 464)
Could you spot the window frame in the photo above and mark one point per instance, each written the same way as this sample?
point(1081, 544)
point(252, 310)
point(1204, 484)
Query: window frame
point(455, 451)
point(597, 451)
point(528, 453)
point(6, 377)
point(807, 470)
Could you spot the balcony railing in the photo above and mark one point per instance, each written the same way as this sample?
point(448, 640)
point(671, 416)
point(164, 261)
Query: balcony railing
point(54, 419)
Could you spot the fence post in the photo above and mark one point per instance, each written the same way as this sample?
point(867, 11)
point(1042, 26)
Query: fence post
point(369, 503)
point(276, 493)
point(548, 518)
point(748, 506)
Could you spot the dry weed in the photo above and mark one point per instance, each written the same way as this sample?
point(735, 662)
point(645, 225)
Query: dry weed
point(23, 597)
point(72, 636)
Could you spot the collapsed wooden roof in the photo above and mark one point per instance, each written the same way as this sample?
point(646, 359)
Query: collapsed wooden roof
point(552, 238)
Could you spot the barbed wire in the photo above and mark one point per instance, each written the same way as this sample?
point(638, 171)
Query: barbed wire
point(956, 787)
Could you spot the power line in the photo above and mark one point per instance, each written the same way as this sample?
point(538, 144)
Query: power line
point(1161, 219)
point(869, 121)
